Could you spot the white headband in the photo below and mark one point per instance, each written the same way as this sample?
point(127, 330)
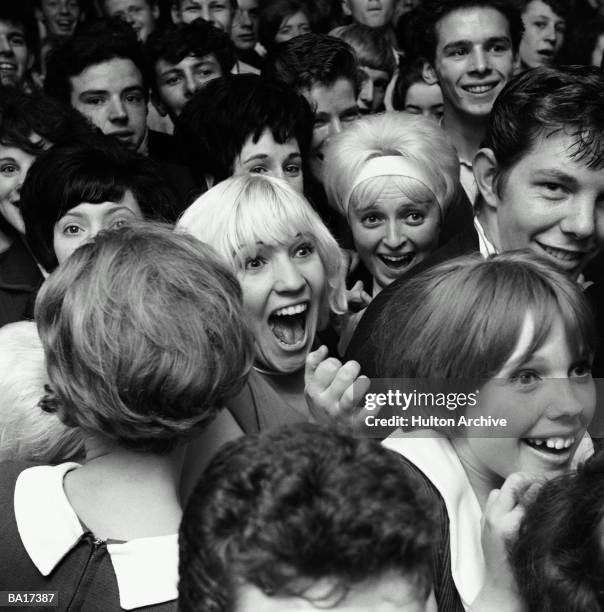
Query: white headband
point(392, 165)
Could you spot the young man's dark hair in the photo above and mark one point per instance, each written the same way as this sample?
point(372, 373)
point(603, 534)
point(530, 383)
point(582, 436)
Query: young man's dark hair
point(430, 12)
point(311, 58)
point(100, 42)
point(543, 102)
point(285, 511)
point(227, 112)
point(23, 116)
point(182, 58)
point(198, 38)
point(99, 172)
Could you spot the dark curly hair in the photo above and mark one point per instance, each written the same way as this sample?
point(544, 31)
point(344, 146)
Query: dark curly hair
point(558, 557)
point(287, 508)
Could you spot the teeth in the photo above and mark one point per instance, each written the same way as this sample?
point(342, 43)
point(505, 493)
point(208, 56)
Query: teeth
point(291, 310)
point(553, 443)
point(478, 89)
point(563, 255)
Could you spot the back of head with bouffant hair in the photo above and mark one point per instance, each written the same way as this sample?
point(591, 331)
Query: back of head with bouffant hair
point(462, 319)
point(144, 337)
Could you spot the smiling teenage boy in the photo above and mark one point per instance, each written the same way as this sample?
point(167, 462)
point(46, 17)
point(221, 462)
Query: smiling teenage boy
point(471, 48)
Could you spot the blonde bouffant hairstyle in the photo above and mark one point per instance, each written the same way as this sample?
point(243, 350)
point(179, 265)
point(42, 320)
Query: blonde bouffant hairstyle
point(414, 138)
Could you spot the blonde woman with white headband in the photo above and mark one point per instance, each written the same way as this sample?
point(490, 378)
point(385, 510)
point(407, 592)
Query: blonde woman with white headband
point(392, 176)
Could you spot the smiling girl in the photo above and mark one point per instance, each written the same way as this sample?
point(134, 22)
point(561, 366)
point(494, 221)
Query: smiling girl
point(522, 332)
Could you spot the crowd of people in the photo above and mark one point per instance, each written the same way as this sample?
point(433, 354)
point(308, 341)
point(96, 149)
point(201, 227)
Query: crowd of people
point(224, 226)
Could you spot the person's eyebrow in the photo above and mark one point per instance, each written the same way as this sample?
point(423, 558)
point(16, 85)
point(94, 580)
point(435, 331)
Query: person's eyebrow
point(256, 156)
point(12, 160)
point(132, 88)
point(93, 92)
point(554, 173)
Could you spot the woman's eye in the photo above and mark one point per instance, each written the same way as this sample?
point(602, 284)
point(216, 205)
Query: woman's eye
point(414, 218)
point(9, 169)
point(72, 230)
point(117, 223)
point(370, 220)
point(292, 170)
point(304, 250)
point(581, 370)
point(258, 170)
point(525, 378)
point(254, 263)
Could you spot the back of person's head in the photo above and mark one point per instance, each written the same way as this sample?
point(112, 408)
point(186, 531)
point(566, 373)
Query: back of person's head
point(312, 59)
point(274, 12)
point(462, 319)
point(371, 46)
point(424, 38)
point(414, 139)
point(144, 337)
point(27, 433)
point(32, 121)
point(100, 42)
point(102, 171)
point(410, 72)
point(226, 112)
point(198, 38)
point(283, 511)
point(20, 14)
point(546, 101)
point(558, 555)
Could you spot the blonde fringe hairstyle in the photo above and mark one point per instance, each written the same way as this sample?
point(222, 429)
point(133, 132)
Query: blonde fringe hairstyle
point(27, 433)
point(393, 133)
point(244, 210)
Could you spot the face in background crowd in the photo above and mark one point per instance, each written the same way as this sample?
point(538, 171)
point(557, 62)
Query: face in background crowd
point(15, 58)
point(335, 108)
point(14, 165)
point(176, 83)
point(244, 28)
point(292, 26)
point(60, 17)
point(84, 221)
point(426, 100)
point(219, 13)
point(112, 96)
point(372, 13)
point(543, 35)
point(373, 89)
point(140, 14)
point(474, 59)
point(268, 157)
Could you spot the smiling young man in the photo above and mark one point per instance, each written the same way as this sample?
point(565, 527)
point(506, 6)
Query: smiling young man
point(541, 186)
point(471, 47)
point(18, 44)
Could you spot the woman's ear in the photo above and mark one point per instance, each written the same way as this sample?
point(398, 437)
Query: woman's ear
point(485, 170)
point(429, 74)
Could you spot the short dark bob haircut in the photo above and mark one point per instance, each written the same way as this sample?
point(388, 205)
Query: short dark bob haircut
point(272, 15)
point(218, 120)
point(144, 337)
point(64, 177)
point(285, 509)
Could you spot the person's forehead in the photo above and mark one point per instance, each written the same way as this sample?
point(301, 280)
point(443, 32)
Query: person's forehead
point(334, 97)
point(163, 65)
point(45, 3)
point(113, 75)
point(537, 7)
point(247, 5)
point(9, 27)
point(472, 23)
point(113, 5)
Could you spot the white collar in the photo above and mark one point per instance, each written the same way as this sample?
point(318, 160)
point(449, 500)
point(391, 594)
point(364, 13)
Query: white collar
point(434, 455)
point(146, 569)
point(487, 248)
